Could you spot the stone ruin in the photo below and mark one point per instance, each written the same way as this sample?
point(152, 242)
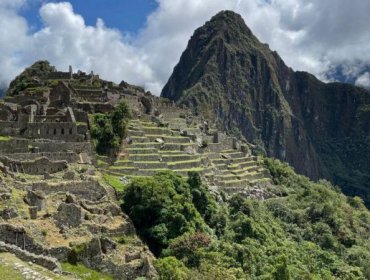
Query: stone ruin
point(54, 194)
point(164, 136)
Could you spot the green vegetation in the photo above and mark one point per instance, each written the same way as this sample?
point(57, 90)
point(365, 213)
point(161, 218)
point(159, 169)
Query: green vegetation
point(161, 208)
point(5, 138)
point(25, 80)
point(107, 130)
point(85, 273)
point(8, 273)
point(114, 181)
point(311, 231)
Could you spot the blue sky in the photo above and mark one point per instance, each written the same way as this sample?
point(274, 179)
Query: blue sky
point(140, 41)
point(125, 15)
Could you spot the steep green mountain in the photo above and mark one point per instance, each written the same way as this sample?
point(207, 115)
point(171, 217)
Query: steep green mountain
point(322, 130)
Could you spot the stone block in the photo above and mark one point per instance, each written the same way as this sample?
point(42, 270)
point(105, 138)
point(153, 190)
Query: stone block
point(69, 175)
point(33, 212)
point(36, 198)
point(68, 215)
point(9, 213)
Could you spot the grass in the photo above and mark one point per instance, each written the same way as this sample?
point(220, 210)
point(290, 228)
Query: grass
point(141, 155)
point(123, 161)
point(9, 273)
point(114, 181)
point(85, 273)
point(101, 163)
point(121, 167)
point(154, 127)
point(184, 161)
point(178, 155)
point(195, 169)
point(228, 176)
point(5, 138)
point(167, 136)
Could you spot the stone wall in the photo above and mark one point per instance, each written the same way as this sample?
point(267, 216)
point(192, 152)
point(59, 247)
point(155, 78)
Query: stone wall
point(81, 116)
point(18, 236)
point(44, 261)
point(34, 167)
point(90, 190)
point(60, 96)
point(92, 108)
point(91, 95)
point(10, 128)
point(27, 98)
point(133, 101)
point(59, 76)
point(52, 118)
point(6, 113)
point(52, 146)
point(65, 131)
point(15, 145)
point(70, 157)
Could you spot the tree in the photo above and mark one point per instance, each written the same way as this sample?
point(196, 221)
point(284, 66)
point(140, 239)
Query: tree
point(170, 268)
point(161, 208)
point(107, 130)
point(119, 119)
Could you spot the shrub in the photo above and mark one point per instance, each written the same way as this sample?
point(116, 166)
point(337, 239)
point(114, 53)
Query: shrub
point(170, 268)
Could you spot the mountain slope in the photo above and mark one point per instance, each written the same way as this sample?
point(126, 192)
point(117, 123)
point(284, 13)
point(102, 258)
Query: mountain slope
point(321, 129)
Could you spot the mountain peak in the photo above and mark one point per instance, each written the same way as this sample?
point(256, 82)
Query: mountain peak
point(229, 20)
point(228, 15)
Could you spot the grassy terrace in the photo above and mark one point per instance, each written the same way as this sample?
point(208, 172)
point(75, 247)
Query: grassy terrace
point(239, 165)
point(121, 167)
point(184, 161)
point(114, 181)
point(147, 157)
point(167, 136)
point(145, 154)
point(85, 273)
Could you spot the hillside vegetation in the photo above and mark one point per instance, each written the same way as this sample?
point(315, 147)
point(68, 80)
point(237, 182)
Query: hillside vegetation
point(312, 231)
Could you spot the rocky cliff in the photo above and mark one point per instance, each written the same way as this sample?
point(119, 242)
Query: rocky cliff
point(321, 129)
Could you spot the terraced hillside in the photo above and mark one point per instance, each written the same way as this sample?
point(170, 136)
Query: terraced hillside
point(181, 147)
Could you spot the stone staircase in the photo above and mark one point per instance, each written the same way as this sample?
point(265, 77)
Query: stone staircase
point(152, 149)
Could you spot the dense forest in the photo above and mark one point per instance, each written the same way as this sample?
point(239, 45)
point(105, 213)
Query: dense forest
point(310, 231)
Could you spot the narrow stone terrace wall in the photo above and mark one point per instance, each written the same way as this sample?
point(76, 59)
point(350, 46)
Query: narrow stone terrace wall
point(44, 261)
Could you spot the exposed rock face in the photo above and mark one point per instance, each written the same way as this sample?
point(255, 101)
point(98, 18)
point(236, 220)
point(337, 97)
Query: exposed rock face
point(321, 129)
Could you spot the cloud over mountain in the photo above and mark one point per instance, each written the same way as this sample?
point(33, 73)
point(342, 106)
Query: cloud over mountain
point(314, 35)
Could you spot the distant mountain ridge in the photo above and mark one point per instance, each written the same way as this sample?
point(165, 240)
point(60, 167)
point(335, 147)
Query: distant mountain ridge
point(322, 130)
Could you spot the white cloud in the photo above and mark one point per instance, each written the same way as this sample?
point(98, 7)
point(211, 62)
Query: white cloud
point(363, 80)
point(311, 35)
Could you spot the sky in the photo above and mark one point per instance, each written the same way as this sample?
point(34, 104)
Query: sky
point(141, 41)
